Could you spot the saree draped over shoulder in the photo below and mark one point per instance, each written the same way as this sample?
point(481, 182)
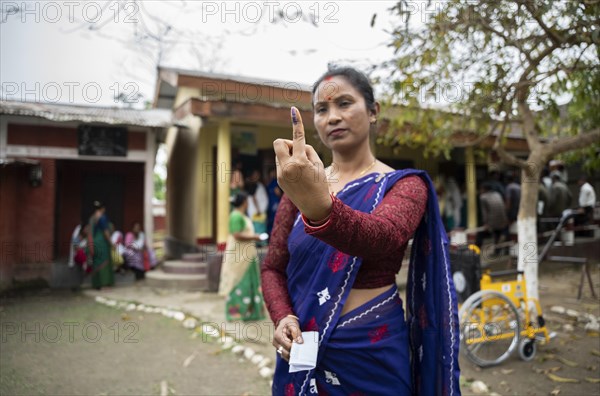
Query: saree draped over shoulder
point(373, 349)
point(102, 269)
point(240, 273)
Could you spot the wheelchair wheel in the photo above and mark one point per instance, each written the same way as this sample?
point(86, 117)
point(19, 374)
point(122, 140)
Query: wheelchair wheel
point(527, 349)
point(490, 327)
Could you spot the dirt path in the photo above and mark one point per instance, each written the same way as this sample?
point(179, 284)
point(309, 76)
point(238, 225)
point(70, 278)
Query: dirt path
point(58, 343)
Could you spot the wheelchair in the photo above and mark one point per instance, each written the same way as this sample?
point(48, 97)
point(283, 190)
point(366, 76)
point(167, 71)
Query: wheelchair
point(500, 318)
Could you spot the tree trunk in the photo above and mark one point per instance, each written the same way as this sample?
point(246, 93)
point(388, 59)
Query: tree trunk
point(527, 222)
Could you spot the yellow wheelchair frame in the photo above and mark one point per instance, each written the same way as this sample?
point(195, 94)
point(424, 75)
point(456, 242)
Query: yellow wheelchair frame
point(499, 318)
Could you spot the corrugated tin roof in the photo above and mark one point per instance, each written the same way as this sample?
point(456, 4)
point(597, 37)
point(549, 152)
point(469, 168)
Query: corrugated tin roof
point(238, 78)
point(18, 161)
point(158, 118)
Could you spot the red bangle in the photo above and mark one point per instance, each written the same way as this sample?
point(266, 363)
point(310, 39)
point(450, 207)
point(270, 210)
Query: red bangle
point(316, 225)
point(319, 226)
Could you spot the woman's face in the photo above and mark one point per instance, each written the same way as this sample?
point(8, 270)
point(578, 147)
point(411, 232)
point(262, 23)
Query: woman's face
point(340, 114)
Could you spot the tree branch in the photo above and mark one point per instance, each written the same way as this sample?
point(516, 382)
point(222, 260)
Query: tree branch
point(529, 128)
point(553, 36)
point(505, 156)
point(578, 141)
point(558, 37)
point(567, 69)
point(487, 26)
point(524, 82)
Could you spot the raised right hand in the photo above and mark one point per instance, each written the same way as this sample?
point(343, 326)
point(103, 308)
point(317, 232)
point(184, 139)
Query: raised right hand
point(301, 174)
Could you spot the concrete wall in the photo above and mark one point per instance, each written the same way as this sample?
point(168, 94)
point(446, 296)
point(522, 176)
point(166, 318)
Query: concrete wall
point(181, 186)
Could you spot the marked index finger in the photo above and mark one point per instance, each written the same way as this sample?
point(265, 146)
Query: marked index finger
point(298, 132)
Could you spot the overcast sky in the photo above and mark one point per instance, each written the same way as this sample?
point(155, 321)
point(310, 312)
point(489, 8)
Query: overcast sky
point(49, 53)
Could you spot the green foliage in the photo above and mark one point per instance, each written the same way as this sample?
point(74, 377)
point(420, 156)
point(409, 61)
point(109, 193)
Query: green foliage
point(160, 187)
point(478, 60)
point(588, 158)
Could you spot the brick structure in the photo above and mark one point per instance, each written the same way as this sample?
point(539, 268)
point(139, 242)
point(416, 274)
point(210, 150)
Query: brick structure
point(39, 214)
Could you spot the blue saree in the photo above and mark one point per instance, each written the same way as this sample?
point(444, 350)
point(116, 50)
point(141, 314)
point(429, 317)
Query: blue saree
point(372, 349)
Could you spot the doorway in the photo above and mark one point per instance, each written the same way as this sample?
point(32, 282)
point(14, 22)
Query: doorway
point(108, 189)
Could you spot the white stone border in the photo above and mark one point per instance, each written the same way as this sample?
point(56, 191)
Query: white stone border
point(263, 363)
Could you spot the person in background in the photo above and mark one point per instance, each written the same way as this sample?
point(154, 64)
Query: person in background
point(512, 198)
point(560, 196)
point(118, 250)
point(138, 255)
point(586, 201)
point(275, 194)
point(545, 178)
point(240, 274)
point(77, 254)
point(559, 167)
point(493, 215)
point(99, 248)
point(464, 206)
point(450, 202)
point(258, 201)
point(542, 206)
point(237, 179)
point(496, 184)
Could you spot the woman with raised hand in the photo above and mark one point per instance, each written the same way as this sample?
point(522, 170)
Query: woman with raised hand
point(338, 241)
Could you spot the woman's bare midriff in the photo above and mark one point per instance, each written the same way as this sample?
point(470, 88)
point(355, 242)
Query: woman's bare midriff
point(358, 297)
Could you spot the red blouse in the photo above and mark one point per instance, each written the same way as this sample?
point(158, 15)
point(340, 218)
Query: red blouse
point(380, 238)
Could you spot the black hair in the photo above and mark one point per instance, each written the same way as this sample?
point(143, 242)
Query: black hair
point(82, 229)
point(98, 205)
point(356, 78)
point(238, 199)
point(510, 177)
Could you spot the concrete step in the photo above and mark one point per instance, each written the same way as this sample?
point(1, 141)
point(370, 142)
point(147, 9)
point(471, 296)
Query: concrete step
point(183, 267)
point(193, 257)
point(188, 282)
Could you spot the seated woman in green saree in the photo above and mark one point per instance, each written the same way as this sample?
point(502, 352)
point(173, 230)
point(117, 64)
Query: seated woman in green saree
point(240, 273)
point(99, 248)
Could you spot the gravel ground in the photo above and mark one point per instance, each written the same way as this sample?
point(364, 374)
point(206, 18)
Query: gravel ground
point(63, 343)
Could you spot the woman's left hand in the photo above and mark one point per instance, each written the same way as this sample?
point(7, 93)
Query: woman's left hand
point(287, 332)
point(301, 174)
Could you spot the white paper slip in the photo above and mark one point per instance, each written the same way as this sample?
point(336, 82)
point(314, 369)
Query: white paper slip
point(304, 356)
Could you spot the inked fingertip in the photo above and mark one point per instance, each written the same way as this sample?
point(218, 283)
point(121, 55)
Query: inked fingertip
point(294, 116)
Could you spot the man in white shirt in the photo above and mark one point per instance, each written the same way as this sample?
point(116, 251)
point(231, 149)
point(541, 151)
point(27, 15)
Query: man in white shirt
point(258, 199)
point(587, 201)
